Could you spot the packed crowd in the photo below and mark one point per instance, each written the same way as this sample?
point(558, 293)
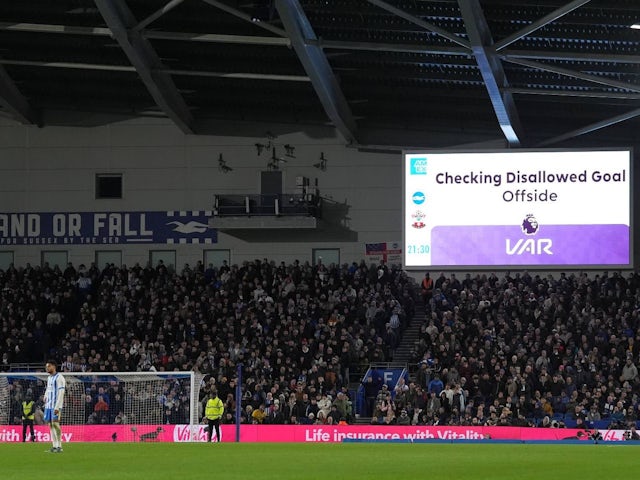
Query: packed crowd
point(522, 350)
point(297, 329)
point(518, 349)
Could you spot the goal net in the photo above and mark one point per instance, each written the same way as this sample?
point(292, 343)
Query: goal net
point(115, 406)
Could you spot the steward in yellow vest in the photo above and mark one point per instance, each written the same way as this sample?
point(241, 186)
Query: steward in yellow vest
point(213, 413)
point(28, 411)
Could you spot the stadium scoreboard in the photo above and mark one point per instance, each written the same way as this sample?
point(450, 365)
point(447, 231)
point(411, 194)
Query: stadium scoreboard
point(527, 208)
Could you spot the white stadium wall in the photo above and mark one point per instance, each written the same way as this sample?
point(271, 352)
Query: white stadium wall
point(53, 169)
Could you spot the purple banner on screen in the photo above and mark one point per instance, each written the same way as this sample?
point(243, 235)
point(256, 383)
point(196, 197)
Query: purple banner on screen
point(550, 245)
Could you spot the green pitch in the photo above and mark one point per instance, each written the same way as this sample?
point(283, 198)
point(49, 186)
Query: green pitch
point(228, 461)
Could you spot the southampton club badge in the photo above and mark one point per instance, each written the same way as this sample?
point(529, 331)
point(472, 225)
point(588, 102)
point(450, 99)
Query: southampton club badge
point(418, 216)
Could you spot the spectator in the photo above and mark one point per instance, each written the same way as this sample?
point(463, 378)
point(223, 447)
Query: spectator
point(629, 371)
point(343, 406)
point(593, 415)
point(324, 404)
point(404, 418)
point(101, 408)
point(436, 386)
point(259, 414)
point(387, 410)
point(275, 416)
point(371, 390)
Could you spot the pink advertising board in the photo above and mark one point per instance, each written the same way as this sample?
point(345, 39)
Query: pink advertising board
point(295, 433)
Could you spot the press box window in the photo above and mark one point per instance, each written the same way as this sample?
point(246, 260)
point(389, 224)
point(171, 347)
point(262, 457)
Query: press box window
point(108, 185)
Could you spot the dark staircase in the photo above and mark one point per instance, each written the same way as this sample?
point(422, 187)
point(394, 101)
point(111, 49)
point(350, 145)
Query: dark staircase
point(410, 336)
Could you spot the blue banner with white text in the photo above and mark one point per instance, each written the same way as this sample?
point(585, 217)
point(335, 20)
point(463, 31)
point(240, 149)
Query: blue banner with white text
point(102, 228)
point(388, 376)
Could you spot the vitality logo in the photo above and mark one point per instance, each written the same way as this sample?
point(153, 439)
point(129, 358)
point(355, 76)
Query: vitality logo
point(418, 166)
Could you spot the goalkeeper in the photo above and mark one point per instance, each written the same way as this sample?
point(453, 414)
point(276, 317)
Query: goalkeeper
point(213, 413)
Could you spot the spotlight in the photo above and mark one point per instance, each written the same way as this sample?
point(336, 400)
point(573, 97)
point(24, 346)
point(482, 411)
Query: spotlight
point(322, 164)
point(222, 165)
point(260, 147)
point(289, 150)
point(275, 158)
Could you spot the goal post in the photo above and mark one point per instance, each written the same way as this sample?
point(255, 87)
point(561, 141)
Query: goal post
point(109, 406)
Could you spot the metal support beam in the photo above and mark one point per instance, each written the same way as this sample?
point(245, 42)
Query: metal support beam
point(572, 73)
point(591, 128)
point(69, 65)
point(52, 28)
point(389, 47)
point(572, 93)
point(317, 67)
point(157, 14)
point(243, 75)
point(146, 62)
point(14, 102)
point(218, 38)
point(571, 56)
point(172, 71)
point(547, 19)
point(491, 70)
point(421, 23)
point(326, 44)
point(153, 34)
point(247, 18)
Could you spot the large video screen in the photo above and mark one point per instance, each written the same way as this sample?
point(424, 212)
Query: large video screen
point(527, 208)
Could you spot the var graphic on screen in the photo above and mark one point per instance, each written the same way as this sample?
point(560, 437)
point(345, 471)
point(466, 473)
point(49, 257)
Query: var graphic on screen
point(528, 208)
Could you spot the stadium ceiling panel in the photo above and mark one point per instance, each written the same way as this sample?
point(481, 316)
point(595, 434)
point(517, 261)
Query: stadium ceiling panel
point(14, 102)
point(383, 70)
point(317, 67)
point(122, 24)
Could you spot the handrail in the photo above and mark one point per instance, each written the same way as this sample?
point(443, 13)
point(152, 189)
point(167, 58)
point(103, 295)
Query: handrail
point(387, 365)
point(284, 204)
point(26, 367)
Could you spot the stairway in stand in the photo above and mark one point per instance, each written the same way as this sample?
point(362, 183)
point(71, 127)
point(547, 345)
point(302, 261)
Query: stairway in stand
point(403, 352)
point(363, 420)
point(410, 335)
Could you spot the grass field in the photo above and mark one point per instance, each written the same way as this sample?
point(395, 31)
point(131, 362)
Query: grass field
point(259, 461)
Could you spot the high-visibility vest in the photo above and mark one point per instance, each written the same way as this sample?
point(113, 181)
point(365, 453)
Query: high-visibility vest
point(27, 410)
point(214, 409)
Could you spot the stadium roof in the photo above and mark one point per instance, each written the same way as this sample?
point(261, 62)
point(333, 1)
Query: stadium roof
point(528, 73)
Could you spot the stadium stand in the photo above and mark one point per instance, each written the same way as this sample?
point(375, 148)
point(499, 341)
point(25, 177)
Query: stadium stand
point(522, 349)
point(529, 350)
point(297, 329)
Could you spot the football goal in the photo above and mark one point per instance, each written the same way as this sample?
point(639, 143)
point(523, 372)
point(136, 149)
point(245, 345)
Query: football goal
point(113, 406)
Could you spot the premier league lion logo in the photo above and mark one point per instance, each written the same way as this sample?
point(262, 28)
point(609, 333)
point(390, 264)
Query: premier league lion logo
point(530, 225)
